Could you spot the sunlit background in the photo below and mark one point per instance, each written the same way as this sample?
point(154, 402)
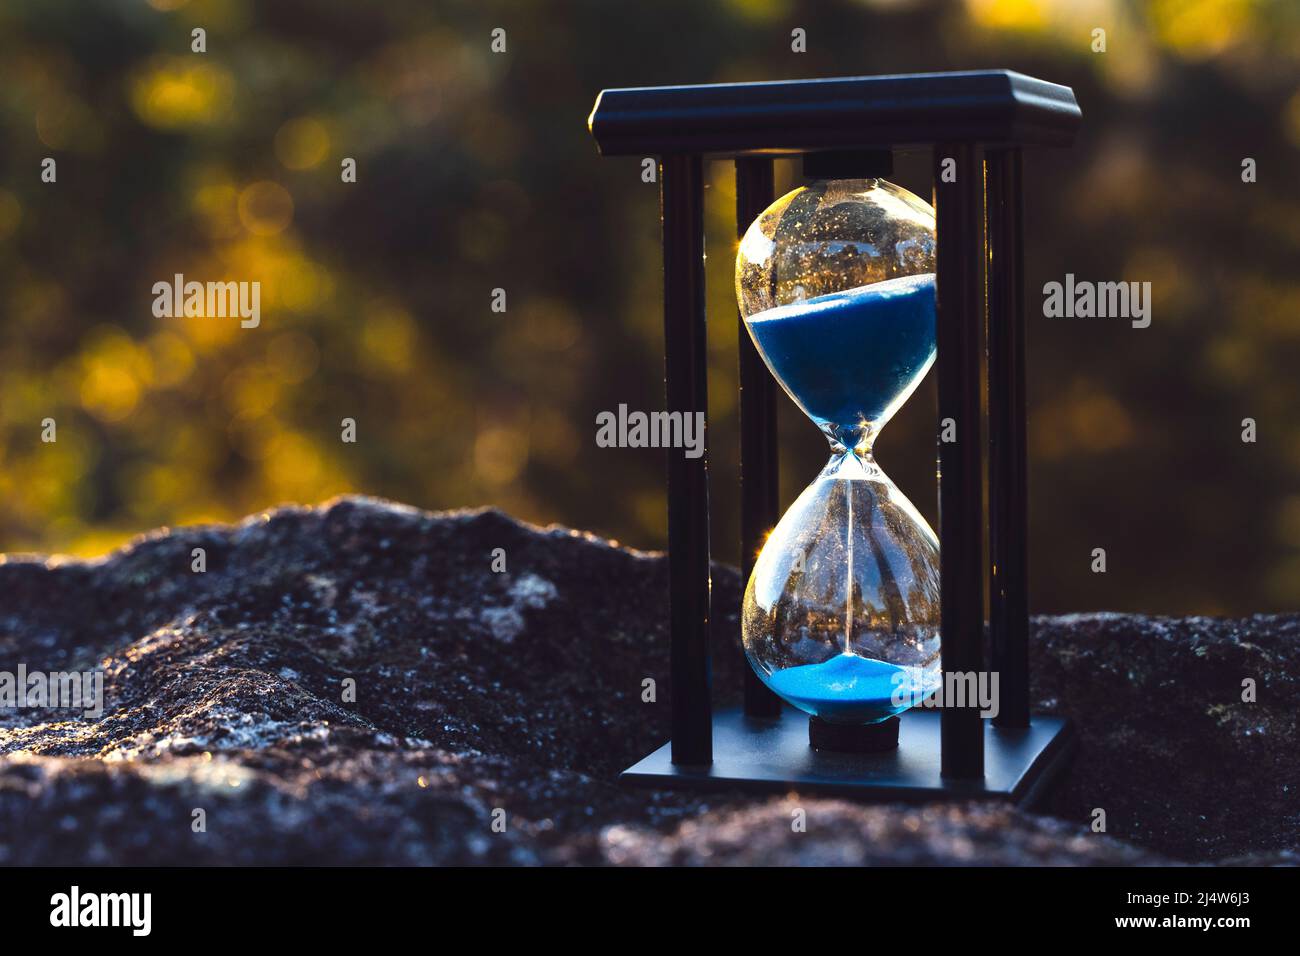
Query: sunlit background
point(476, 172)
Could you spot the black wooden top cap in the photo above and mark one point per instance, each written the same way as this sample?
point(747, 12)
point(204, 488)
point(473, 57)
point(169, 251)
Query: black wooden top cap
point(989, 107)
point(848, 164)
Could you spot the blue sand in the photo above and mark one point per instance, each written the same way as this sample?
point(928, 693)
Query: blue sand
point(847, 356)
point(848, 688)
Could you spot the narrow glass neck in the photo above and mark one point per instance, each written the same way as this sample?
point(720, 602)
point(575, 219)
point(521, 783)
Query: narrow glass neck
point(858, 439)
point(849, 464)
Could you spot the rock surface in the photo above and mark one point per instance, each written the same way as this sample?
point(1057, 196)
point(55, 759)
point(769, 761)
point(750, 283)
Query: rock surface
point(520, 691)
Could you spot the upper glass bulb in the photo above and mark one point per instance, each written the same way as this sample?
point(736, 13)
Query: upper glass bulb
point(852, 261)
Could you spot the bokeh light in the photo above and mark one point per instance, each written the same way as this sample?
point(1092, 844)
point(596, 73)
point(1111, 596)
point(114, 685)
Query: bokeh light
point(475, 172)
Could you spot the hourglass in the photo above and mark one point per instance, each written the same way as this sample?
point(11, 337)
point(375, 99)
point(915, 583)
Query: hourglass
point(856, 618)
point(841, 612)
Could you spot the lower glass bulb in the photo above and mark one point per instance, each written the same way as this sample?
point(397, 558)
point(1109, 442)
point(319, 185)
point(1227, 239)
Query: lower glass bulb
point(841, 613)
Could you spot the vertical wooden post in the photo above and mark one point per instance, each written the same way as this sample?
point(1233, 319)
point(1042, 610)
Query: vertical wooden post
point(760, 502)
point(681, 185)
point(1008, 479)
point(960, 316)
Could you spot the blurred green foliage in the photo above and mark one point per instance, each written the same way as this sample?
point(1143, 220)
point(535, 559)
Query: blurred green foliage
point(475, 172)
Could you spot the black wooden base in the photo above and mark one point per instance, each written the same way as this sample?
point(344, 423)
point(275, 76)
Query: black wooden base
point(774, 755)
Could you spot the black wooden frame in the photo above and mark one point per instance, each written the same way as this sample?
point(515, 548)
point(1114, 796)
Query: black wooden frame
point(976, 124)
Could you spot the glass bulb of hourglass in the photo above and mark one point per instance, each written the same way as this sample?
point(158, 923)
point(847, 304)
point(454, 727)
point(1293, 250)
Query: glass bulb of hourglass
point(841, 613)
